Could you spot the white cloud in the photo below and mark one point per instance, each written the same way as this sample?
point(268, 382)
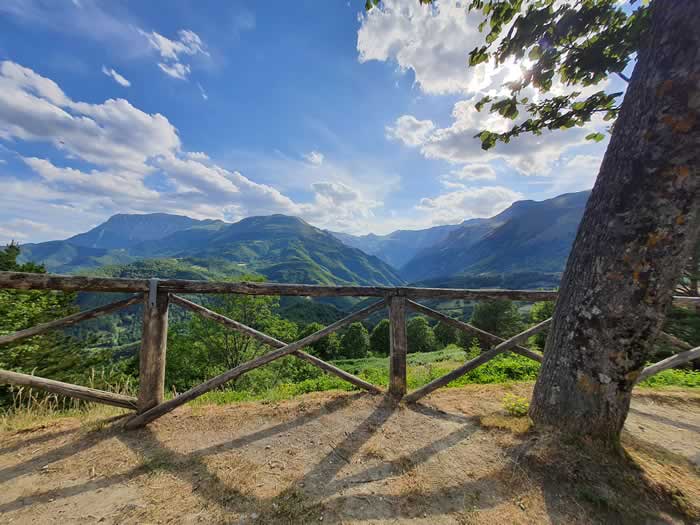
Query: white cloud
point(202, 92)
point(21, 229)
point(576, 174)
point(188, 43)
point(114, 133)
point(117, 184)
point(336, 193)
point(528, 154)
point(472, 172)
point(468, 203)
point(433, 41)
point(175, 70)
point(409, 130)
point(116, 76)
point(314, 157)
point(197, 155)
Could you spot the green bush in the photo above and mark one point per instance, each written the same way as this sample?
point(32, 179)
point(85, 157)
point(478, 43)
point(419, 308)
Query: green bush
point(515, 405)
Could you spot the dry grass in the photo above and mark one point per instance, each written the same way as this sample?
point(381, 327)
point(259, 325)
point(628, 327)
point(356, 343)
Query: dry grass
point(347, 458)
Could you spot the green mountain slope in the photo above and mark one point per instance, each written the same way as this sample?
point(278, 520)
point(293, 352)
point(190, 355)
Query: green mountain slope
point(527, 237)
point(281, 248)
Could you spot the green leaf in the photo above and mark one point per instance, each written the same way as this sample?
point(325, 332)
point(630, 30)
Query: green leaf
point(535, 53)
point(595, 136)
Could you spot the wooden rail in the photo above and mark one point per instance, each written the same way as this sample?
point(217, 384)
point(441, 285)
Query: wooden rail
point(156, 296)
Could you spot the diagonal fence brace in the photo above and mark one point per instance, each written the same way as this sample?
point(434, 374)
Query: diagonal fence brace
point(506, 345)
point(274, 343)
point(215, 382)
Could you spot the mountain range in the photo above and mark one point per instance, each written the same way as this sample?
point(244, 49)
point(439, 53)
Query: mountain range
point(279, 247)
point(529, 238)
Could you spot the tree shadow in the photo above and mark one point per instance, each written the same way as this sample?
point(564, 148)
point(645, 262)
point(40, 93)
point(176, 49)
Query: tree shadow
point(563, 487)
point(666, 420)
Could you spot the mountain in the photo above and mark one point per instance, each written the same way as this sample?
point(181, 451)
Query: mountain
point(529, 236)
point(282, 248)
point(125, 231)
point(399, 246)
point(110, 242)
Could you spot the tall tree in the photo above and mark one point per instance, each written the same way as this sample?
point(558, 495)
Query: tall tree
point(635, 236)
point(637, 230)
point(379, 340)
point(499, 317)
point(445, 334)
point(420, 335)
point(355, 341)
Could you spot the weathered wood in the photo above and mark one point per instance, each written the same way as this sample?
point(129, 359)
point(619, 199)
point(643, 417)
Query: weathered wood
point(477, 361)
point(398, 345)
point(32, 281)
point(670, 362)
point(483, 336)
point(274, 343)
point(154, 340)
point(69, 320)
point(673, 340)
point(67, 389)
point(73, 283)
point(680, 300)
point(215, 382)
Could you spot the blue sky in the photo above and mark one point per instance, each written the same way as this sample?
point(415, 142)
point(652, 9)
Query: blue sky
point(356, 122)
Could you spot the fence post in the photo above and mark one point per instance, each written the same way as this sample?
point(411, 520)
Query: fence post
point(398, 345)
point(154, 340)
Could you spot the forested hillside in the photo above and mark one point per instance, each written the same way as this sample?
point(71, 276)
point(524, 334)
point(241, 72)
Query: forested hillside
point(282, 248)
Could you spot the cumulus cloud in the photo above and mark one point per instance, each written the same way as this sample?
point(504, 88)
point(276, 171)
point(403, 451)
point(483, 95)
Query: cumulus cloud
point(314, 157)
point(433, 41)
point(119, 79)
point(112, 157)
point(468, 203)
point(187, 43)
point(409, 130)
point(456, 143)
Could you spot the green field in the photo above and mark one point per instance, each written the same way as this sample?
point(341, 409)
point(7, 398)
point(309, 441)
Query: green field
point(422, 368)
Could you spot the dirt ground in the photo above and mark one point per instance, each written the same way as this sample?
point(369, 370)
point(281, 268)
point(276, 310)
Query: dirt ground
point(354, 458)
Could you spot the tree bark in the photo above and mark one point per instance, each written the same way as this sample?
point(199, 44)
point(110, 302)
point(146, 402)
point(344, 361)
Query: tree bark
point(633, 240)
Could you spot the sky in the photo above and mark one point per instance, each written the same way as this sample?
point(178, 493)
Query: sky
point(356, 122)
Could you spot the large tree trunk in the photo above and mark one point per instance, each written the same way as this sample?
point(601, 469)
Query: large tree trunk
point(633, 240)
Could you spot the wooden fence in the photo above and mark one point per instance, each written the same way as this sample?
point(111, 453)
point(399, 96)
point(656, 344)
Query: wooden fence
point(156, 296)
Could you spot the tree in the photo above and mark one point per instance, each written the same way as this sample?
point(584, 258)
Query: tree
point(379, 339)
point(355, 341)
point(636, 234)
point(499, 317)
point(445, 334)
point(53, 355)
point(637, 231)
point(200, 348)
point(420, 336)
point(327, 348)
point(541, 312)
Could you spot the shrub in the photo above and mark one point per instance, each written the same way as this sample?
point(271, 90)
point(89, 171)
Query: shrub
point(515, 405)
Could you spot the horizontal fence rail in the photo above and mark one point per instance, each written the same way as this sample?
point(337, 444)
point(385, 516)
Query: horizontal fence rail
point(73, 283)
point(221, 379)
point(156, 295)
point(67, 389)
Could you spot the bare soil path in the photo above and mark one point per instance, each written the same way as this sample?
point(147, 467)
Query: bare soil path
point(354, 458)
